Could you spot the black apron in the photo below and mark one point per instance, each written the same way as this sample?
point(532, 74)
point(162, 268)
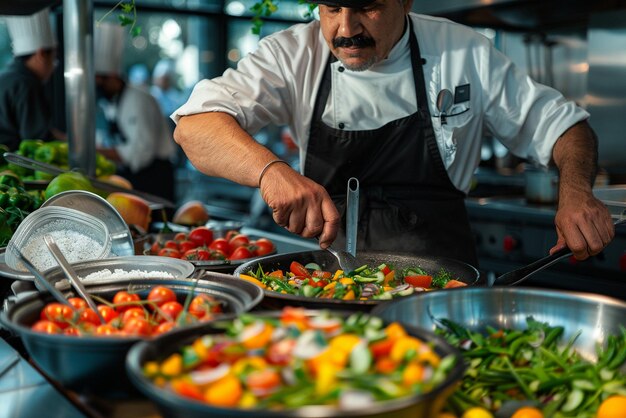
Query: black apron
point(407, 201)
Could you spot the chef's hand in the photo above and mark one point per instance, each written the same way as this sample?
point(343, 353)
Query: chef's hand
point(584, 224)
point(300, 204)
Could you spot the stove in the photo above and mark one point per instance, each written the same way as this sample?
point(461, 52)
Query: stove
point(511, 233)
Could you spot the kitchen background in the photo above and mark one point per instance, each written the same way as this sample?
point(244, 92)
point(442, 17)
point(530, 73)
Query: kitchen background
point(578, 47)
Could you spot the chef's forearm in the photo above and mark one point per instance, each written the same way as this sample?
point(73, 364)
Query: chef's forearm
point(576, 154)
point(217, 146)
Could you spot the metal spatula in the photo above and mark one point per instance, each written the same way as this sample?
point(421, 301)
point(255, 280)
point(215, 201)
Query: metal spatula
point(519, 275)
point(347, 261)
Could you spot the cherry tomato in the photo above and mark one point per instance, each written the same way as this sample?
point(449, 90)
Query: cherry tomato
point(298, 269)
point(47, 327)
point(317, 282)
point(454, 283)
point(262, 381)
point(161, 295)
point(180, 236)
point(239, 240)
point(241, 253)
point(107, 313)
point(201, 236)
point(280, 352)
point(169, 252)
point(134, 312)
point(217, 255)
point(204, 305)
point(320, 274)
point(264, 246)
point(137, 326)
point(78, 303)
point(197, 254)
point(231, 234)
point(169, 311)
point(221, 244)
point(73, 331)
point(155, 247)
point(186, 245)
point(171, 244)
point(106, 329)
point(89, 316)
point(164, 327)
point(58, 313)
point(125, 300)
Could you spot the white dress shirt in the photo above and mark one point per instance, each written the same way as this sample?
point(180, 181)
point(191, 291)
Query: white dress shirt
point(278, 83)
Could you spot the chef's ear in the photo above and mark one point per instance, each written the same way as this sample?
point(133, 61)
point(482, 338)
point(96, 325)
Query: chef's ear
point(408, 4)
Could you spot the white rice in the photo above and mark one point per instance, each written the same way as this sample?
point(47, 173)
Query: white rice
point(125, 274)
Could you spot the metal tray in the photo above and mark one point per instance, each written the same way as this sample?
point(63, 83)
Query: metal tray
point(614, 197)
point(176, 267)
point(92, 204)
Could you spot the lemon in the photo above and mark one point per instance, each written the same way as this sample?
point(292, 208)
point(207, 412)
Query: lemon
point(477, 412)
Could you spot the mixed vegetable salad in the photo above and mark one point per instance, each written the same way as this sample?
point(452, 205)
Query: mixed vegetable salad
point(378, 283)
point(294, 359)
point(535, 365)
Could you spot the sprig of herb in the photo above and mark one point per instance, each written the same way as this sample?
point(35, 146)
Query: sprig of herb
point(265, 8)
point(126, 17)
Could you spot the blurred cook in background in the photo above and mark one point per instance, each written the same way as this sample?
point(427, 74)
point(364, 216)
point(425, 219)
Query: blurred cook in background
point(164, 88)
point(130, 128)
point(25, 112)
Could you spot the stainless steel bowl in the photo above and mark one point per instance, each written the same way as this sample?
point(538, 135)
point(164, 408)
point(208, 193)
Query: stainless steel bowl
point(171, 405)
point(596, 317)
point(96, 364)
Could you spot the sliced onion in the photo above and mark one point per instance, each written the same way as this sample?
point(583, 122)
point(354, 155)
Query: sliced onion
point(307, 347)
point(355, 399)
point(251, 331)
point(466, 344)
point(203, 377)
point(324, 323)
point(400, 288)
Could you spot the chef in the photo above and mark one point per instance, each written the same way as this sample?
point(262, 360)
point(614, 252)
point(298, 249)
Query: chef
point(130, 128)
point(25, 112)
point(359, 89)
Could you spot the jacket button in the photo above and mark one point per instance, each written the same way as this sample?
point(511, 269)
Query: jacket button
point(423, 61)
point(341, 125)
point(341, 69)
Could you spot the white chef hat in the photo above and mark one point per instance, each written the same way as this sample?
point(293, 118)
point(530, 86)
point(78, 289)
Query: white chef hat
point(30, 33)
point(164, 67)
point(108, 48)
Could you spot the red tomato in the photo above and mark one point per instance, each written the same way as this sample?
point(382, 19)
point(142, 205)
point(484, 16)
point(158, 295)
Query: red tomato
point(89, 316)
point(171, 244)
point(221, 244)
point(107, 313)
point(277, 273)
point(238, 241)
point(164, 327)
point(134, 312)
point(78, 303)
point(73, 331)
point(419, 281)
point(106, 329)
point(327, 275)
point(264, 246)
point(169, 252)
point(47, 327)
point(155, 247)
point(385, 269)
point(382, 348)
point(204, 305)
point(169, 311)
point(201, 235)
point(58, 313)
point(318, 282)
point(186, 245)
point(240, 253)
point(180, 236)
point(217, 255)
point(137, 326)
point(298, 269)
point(262, 381)
point(231, 234)
point(124, 300)
point(280, 352)
point(161, 295)
point(197, 254)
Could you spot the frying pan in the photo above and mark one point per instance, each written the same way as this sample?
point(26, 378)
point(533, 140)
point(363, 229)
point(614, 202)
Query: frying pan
point(275, 300)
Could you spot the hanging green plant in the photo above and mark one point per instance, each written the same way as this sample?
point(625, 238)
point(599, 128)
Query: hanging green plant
point(265, 8)
point(127, 16)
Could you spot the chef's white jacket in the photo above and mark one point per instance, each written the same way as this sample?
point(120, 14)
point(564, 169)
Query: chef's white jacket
point(140, 120)
point(278, 83)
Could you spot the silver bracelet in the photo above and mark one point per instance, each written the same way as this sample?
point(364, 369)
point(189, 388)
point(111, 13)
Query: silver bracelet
point(268, 166)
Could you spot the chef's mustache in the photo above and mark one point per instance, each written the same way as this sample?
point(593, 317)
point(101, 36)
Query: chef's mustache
point(358, 41)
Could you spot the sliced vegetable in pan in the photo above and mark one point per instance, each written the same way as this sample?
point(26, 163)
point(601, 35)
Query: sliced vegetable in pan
point(365, 283)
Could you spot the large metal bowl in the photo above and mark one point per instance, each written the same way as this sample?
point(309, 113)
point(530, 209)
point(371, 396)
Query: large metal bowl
point(426, 405)
point(594, 316)
point(96, 364)
point(273, 300)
